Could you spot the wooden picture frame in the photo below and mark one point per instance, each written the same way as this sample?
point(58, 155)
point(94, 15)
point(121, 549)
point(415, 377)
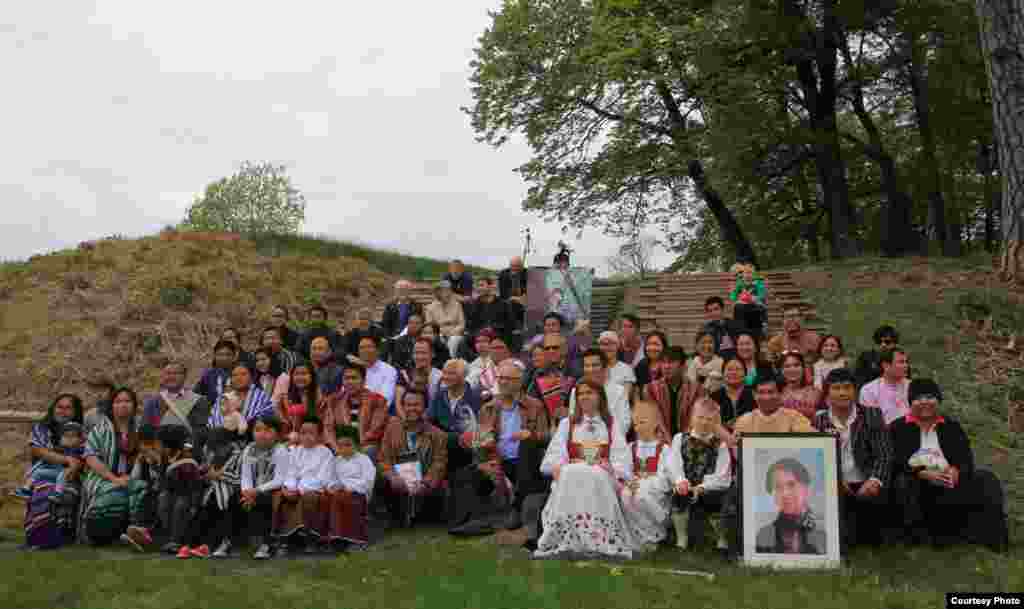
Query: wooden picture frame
point(788, 485)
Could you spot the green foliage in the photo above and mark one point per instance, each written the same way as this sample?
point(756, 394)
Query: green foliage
point(151, 343)
point(387, 261)
point(587, 84)
point(176, 296)
point(259, 198)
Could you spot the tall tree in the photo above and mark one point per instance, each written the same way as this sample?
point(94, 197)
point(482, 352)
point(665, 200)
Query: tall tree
point(599, 90)
point(259, 198)
point(1002, 38)
point(812, 34)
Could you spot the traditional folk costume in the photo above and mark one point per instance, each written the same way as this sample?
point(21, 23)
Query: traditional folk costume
point(707, 462)
point(214, 521)
point(348, 515)
point(42, 526)
point(183, 489)
point(584, 514)
point(264, 470)
point(309, 471)
point(104, 509)
point(647, 500)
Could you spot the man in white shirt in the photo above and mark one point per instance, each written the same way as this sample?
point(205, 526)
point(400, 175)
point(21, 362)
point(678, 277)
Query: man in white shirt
point(889, 391)
point(380, 377)
point(595, 368)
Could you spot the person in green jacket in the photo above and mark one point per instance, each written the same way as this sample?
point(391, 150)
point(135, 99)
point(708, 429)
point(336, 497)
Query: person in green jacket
point(748, 299)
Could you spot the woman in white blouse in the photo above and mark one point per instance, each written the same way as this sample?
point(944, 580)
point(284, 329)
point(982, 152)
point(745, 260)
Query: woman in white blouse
point(589, 461)
point(618, 372)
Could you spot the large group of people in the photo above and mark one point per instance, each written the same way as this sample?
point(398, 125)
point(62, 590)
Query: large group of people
point(453, 412)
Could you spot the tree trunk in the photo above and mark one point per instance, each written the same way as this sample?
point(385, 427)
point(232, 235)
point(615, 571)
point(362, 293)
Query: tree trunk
point(728, 227)
point(919, 88)
point(896, 225)
point(1002, 38)
point(820, 50)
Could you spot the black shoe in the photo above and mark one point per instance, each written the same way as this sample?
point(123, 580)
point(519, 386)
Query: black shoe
point(281, 551)
point(530, 544)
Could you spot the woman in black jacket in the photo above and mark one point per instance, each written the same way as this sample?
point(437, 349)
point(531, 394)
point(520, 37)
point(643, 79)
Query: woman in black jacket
point(944, 497)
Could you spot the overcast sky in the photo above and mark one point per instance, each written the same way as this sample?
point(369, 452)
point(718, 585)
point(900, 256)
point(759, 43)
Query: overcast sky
point(116, 113)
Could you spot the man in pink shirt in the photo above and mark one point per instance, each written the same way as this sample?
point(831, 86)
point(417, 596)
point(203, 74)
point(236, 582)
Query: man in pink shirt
point(889, 392)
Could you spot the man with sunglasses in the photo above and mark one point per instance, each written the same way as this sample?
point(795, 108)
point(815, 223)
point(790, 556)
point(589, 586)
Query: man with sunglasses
point(554, 384)
point(869, 364)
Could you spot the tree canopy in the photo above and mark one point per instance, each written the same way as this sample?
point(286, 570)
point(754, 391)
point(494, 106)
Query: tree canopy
point(259, 198)
point(810, 128)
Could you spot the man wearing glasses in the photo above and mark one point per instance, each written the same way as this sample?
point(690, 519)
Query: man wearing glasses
point(869, 364)
point(510, 440)
point(553, 385)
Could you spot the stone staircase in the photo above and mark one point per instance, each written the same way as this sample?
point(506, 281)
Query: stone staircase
point(674, 303)
point(605, 304)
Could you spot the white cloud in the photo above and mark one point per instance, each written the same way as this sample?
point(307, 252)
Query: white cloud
point(118, 113)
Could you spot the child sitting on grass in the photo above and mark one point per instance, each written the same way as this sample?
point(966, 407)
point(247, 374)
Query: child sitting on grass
point(182, 484)
point(265, 464)
point(297, 506)
point(348, 491)
point(212, 525)
point(149, 468)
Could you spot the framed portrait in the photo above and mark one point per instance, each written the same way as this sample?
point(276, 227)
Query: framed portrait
point(566, 292)
point(789, 500)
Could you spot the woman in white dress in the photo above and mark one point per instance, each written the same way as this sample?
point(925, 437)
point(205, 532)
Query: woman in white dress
point(589, 461)
point(648, 498)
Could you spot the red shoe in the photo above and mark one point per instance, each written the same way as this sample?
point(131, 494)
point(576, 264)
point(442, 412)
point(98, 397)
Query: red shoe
point(184, 552)
point(202, 551)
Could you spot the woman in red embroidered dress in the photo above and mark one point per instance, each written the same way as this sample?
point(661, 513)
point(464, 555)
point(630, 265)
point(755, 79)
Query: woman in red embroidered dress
point(589, 461)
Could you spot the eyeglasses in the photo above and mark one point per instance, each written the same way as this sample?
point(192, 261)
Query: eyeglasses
point(509, 379)
point(552, 347)
point(926, 396)
point(887, 341)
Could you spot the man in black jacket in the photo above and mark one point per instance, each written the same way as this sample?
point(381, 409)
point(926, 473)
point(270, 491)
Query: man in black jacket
point(722, 330)
point(944, 497)
point(865, 466)
point(869, 363)
point(398, 311)
point(512, 289)
point(488, 311)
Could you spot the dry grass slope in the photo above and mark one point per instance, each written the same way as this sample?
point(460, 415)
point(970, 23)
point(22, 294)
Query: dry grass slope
point(116, 308)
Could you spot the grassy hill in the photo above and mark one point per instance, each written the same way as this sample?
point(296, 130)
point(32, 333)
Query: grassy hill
point(939, 306)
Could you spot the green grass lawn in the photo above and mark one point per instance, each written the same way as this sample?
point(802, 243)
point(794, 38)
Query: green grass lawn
point(426, 568)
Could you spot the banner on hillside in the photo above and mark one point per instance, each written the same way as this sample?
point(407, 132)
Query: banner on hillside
point(566, 292)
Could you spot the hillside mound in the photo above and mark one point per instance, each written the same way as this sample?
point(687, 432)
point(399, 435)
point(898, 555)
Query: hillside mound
point(116, 309)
